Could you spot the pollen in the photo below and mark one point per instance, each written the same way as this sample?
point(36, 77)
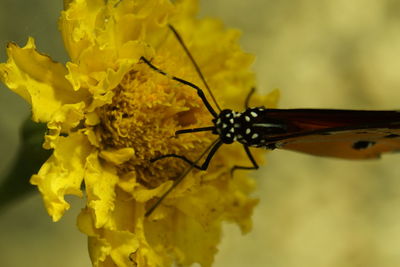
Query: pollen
point(141, 117)
point(127, 121)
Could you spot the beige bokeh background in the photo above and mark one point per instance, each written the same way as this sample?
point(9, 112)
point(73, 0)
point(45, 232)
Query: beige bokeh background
point(313, 211)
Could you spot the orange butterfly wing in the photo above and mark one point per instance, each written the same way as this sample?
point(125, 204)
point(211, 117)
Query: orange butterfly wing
point(348, 134)
point(347, 144)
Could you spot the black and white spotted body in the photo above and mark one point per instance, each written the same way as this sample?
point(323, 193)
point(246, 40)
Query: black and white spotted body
point(250, 127)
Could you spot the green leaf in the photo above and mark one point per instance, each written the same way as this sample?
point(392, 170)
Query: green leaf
point(29, 159)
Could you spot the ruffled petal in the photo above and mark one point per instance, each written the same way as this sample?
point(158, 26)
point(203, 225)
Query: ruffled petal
point(78, 23)
point(62, 173)
point(38, 79)
point(66, 118)
point(100, 181)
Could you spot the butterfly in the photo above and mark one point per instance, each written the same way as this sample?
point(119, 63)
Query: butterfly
point(347, 134)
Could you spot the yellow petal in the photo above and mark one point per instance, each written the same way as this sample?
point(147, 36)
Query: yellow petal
point(100, 181)
point(117, 156)
point(63, 120)
point(62, 173)
point(123, 244)
point(268, 100)
point(77, 25)
point(38, 79)
point(186, 238)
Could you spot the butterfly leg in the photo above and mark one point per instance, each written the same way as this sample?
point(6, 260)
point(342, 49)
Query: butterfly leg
point(199, 91)
point(211, 149)
point(251, 158)
point(248, 97)
point(202, 167)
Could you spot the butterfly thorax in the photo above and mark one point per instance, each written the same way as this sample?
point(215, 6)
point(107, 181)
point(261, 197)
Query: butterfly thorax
point(251, 127)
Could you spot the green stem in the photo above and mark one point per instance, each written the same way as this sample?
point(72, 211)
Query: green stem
point(29, 159)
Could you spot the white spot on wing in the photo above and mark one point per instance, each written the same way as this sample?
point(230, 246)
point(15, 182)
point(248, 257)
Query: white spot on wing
point(253, 114)
point(247, 118)
point(254, 136)
point(248, 131)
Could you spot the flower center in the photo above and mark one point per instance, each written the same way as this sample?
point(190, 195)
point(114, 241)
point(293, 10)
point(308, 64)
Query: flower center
point(145, 112)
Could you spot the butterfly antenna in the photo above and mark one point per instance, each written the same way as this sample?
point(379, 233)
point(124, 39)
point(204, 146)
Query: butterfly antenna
point(179, 180)
point(180, 40)
point(248, 97)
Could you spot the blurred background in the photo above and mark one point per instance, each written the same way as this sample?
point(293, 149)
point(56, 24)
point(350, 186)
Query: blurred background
point(313, 211)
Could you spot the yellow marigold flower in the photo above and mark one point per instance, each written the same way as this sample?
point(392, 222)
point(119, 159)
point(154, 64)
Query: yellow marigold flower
point(108, 114)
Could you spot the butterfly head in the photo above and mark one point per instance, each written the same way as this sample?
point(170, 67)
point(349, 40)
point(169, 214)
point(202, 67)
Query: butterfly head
point(234, 126)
